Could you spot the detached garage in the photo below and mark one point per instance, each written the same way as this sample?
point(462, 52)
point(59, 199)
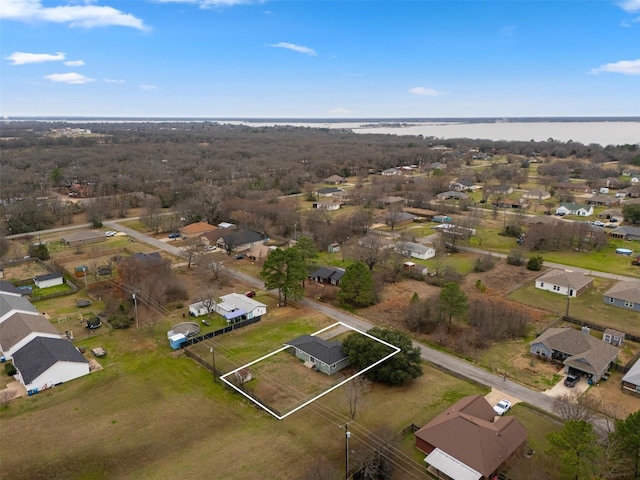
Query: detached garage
point(45, 362)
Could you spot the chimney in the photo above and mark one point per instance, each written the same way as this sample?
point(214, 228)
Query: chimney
point(586, 330)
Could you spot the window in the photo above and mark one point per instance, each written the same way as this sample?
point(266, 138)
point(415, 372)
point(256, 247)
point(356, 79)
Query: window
point(556, 288)
point(607, 338)
point(612, 300)
point(541, 284)
point(628, 304)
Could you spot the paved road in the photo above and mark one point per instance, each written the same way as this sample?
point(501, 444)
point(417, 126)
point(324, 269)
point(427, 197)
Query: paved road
point(454, 365)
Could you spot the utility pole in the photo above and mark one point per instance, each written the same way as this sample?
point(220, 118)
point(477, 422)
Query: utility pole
point(347, 436)
point(213, 359)
point(135, 307)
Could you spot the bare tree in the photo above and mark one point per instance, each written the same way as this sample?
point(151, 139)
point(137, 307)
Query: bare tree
point(371, 250)
point(355, 390)
point(570, 407)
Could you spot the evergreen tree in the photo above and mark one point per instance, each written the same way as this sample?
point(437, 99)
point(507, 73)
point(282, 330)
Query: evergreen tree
point(356, 286)
point(284, 270)
point(453, 301)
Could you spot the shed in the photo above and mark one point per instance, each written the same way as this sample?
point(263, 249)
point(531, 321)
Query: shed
point(333, 248)
point(48, 280)
point(175, 341)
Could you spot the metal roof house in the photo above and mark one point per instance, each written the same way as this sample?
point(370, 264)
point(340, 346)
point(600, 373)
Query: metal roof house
point(236, 307)
point(465, 443)
point(326, 356)
point(46, 362)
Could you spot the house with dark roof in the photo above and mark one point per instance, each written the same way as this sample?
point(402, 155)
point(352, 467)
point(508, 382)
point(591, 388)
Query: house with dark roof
point(46, 362)
point(83, 237)
point(48, 280)
point(325, 356)
point(631, 380)
point(564, 282)
point(624, 295)
point(9, 289)
point(468, 442)
point(577, 350)
point(241, 240)
point(626, 233)
point(10, 304)
point(606, 200)
point(327, 275)
point(20, 328)
point(328, 191)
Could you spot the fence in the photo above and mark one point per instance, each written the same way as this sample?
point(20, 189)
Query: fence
point(227, 329)
point(599, 328)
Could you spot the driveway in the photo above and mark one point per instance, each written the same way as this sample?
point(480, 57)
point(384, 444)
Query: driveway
point(559, 389)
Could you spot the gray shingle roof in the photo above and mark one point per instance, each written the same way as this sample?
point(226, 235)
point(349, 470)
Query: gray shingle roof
point(7, 287)
point(628, 291)
point(20, 325)
point(564, 278)
point(633, 375)
point(11, 302)
point(42, 353)
point(323, 350)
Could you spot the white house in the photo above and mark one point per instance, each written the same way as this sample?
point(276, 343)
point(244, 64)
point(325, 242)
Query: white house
point(564, 282)
point(46, 362)
point(48, 280)
point(236, 306)
point(10, 304)
point(415, 250)
point(573, 208)
point(20, 328)
point(201, 308)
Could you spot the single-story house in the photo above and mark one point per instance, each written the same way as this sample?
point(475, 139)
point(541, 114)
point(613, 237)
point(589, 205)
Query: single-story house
point(564, 282)
point(577, 350)
point(236, 307)
point(415, 250)
point(511, 203)
point(611, 213)
point(573, 208)
point(468, 442)
point(463, 185)
point(390, 200)
point(259, 252)
point(83, 237)
point(48, 280)
point(327, 275)
point(326, 356)
point(195, 230)
point(571, 187)
point(328, 191)
point(624, 294)
point(452, 194)
point(536, 194)
point(20, 328)
point(631, 380)
point(327, 205)
point(335, 180)
point(399, 218)
point(498, 189)
point(10, 304)
point(614, 337)
point(46, 362)
point(391, 171)
point(241, 240)
point(199, 309)
point(605, 200)
point(626, 233)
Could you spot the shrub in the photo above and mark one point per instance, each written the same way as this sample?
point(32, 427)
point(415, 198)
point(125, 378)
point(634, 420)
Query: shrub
point(10, 369)
point(121, 321)
point(516, 257)
point(535, 263)
point(484, 263)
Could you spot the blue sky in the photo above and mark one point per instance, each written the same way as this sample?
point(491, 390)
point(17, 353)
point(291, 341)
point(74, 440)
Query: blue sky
point(319, 59)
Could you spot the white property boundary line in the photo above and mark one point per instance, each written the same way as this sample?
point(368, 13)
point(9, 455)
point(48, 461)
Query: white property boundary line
point(396, 350)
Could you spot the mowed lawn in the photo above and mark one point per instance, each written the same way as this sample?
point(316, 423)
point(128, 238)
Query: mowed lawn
point(589, 306)
point(154, 413)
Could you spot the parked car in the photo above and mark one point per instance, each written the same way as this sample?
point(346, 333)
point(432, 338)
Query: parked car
point(502, 407)
point(611, 225)
point(110, 233)
point(209, 248)
point(93, 323)
point(598, 223)
point(174, 235)
point(239, 256)
point(571, 380)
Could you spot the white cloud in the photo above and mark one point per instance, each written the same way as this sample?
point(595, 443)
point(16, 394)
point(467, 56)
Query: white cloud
point(427, 92)
point(85, 16)
point(626, 67)
point(295, 48)
point(340, 111)
point(214, 3)
point(74, 63)
point(22, 58)
point(148, 87)
point(111, 80)
point(70, 78)
point(631, 6)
